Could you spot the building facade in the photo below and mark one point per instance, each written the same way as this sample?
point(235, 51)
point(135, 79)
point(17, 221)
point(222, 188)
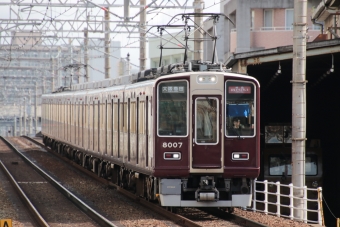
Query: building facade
point(28, 69)
point(258, 25)
point(169, 56)
point(326, 13)
point(96, 61)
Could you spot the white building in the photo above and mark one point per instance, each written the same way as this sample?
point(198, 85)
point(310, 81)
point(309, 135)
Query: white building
point(96, 61)
point(169, 56)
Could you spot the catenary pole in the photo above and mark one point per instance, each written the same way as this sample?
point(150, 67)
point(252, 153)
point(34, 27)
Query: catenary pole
point(20, 123)
point(25, 117)
point(30, 113)
point(35, 109)
point(15, 125)
point(107, 45)
point(126, 10)
point(198, 43)
point(142, 27)
point(86, 53)
point(299, 104)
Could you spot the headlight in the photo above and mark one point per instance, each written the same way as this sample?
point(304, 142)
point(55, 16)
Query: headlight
point(240, 156)
point(207, 79)
point(172, 155)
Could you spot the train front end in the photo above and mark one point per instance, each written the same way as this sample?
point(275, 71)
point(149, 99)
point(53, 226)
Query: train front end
point(207, 150)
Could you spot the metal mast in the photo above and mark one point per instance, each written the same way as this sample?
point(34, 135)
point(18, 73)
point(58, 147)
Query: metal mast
point(198, 35)
point(86, 54)
point(142, 29)
point(299, 104)
point(107, 44)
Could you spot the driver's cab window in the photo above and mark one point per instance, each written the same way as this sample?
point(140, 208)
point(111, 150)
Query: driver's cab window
point(172, 107)
point(240, 109)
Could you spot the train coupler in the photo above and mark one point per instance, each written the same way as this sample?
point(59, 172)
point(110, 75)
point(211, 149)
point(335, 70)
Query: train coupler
point(207, 190)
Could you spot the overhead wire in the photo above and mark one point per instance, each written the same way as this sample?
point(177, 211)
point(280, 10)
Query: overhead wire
point(52, 17)
point(213, 4)
point(26, 40)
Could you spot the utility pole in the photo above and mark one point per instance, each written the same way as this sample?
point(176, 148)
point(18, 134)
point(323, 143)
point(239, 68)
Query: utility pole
point(107, 44)
point(128, 64)
point(126, 10)
point(43, 86)
point(25, 117)
point(142, 28)
point(198, 43)
point(299, 104)
point(86, 55)
point(30, 114)
point(20, 123)
point(15, 125)
point(54, 61)
point(71, 54)
point(35, 109)
point(58, 65)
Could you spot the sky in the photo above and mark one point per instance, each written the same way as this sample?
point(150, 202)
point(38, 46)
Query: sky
point(156, 16)
point(163, 17)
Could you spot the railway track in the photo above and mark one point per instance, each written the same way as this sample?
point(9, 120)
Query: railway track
point(49, 203)
point(214, 217)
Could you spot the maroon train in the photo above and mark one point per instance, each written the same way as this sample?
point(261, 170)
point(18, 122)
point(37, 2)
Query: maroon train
point(165, 133)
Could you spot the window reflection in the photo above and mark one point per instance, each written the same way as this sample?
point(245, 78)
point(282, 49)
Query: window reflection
point(240, 111)
point(206, 120)
point(172, 108)
point(281, 165)
point(278, 134)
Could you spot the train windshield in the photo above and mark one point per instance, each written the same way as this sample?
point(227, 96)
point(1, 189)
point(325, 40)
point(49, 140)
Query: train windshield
point(240, 108)
point(281, 165)
point(172, 108)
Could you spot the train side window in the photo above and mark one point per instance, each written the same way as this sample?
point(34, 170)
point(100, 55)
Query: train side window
point(281, 165)
point(133, 117)
point(311, 166)
point(172, 108)
point(125, 117)
point(141, 116)
point(115, 117)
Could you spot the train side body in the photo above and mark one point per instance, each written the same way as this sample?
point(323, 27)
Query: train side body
point(170, 138)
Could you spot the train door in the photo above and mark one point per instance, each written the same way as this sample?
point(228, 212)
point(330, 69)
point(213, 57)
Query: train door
point(206, 146)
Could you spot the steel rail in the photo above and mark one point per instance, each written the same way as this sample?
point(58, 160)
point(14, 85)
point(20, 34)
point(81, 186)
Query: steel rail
point(101, 220)
point(154, 207)
point(35, 213)
point(173, 217)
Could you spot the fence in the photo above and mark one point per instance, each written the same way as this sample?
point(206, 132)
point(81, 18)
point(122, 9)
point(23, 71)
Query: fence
point(277, 199)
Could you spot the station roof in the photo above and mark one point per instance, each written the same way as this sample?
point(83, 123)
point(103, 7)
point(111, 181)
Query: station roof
point(284, 53)
point(276, 88)
point(264, 64)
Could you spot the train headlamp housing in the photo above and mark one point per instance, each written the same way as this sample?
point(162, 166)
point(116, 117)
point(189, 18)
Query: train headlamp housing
point(172, 156)
point(206, 79)
point(240, 156)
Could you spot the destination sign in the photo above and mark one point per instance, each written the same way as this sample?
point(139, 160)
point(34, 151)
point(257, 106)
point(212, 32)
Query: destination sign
point(173, 89)
point(239, 90)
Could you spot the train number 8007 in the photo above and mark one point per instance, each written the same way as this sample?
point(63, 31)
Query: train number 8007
point(172, 145)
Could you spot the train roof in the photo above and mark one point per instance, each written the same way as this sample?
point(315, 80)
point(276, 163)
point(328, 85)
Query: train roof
point(142, 78)
point(149, 74)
